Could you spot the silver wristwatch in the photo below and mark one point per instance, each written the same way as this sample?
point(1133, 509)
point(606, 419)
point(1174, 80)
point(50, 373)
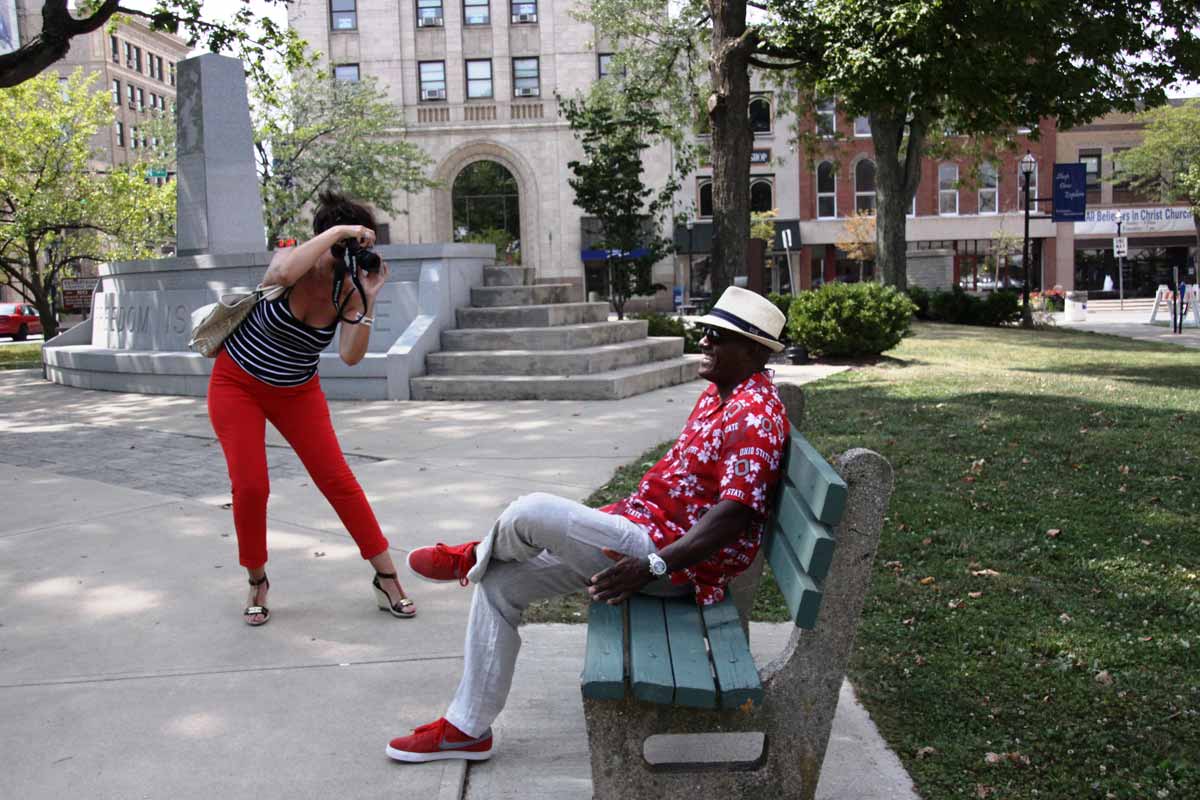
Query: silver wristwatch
point(658, 567)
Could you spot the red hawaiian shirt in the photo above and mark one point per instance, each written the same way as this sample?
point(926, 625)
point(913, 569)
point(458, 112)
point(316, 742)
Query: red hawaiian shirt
point(727, 451)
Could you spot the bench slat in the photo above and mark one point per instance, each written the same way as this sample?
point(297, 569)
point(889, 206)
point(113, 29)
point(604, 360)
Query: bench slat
point(694, 685)
point(736, 673)
point(801, 593)
point(649, 651)
point(810, 540)
point(823, 489)
point(603, 675)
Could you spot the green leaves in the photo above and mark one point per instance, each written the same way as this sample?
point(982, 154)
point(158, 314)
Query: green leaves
point(312, 132)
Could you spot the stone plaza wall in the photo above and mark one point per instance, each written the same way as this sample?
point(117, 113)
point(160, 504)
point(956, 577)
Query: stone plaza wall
point(931, 269)
point(136, 339)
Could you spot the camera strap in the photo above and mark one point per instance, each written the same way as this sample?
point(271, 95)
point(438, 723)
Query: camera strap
point(339, 280)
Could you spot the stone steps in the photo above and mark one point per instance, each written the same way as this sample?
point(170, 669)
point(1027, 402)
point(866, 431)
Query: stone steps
point(579, 361)
point(610, 385)
point(539, 294)
point(561, 337)
point(539, 316)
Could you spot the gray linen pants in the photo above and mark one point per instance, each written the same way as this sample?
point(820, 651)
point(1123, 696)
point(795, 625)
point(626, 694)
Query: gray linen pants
point(541, 546)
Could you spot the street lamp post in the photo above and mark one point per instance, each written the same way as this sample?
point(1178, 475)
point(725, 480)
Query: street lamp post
point(1028, 165)
point(687, 281)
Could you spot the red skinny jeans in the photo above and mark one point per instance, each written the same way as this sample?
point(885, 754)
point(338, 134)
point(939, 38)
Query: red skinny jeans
point(239, 406)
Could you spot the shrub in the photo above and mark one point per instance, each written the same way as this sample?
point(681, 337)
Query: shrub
point(920, 298)
point(959, 308)
point(666, 325)
point(850, 319)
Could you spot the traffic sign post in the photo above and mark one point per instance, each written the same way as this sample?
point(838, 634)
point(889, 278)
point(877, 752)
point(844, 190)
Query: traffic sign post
point(1120, 250)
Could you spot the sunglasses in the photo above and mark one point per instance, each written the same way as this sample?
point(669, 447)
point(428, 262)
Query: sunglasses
point(712, 334)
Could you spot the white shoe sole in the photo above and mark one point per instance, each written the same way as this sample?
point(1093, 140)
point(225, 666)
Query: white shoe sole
point(444, 755)
point(421, 577)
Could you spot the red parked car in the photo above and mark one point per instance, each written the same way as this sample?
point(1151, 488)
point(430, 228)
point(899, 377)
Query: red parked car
point(18, 320)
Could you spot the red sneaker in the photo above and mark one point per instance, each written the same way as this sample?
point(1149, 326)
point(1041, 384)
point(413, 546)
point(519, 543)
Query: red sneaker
point(442, 562)
point(440, 740)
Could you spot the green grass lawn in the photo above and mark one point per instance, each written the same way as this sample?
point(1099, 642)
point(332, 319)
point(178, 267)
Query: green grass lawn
point(1033, 628)
point(21, 356)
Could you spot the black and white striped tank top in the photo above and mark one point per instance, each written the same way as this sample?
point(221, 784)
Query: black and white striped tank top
point(275, 347)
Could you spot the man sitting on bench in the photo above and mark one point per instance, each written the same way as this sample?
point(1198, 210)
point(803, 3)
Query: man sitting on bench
point(694, 522)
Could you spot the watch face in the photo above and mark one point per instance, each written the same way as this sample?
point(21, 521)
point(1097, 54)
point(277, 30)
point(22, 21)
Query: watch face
point(657, 565)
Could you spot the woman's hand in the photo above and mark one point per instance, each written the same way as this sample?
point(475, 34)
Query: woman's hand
point(364, 235)
point(372, 282)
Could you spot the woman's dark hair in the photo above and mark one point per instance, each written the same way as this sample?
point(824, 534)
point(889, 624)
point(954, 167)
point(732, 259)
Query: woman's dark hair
point(335, 208)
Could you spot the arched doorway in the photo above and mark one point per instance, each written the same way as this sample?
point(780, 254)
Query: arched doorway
point(485, 199)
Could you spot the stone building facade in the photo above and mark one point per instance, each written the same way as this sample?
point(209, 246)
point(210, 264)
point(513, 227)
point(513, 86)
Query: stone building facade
point(477, 81)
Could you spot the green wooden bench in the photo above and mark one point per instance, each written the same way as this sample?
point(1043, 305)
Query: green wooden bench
point(665, 681)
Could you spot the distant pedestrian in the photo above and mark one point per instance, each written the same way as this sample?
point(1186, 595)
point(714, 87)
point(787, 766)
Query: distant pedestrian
point(267, 370)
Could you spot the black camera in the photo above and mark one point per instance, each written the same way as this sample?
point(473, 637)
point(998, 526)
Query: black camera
point(361, 257)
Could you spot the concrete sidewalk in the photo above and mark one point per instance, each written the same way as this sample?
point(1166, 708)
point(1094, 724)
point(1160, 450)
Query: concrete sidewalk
point(1135, 325)
point(125, 669)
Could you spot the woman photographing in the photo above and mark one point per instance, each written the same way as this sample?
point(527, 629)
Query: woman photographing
point(267, 371)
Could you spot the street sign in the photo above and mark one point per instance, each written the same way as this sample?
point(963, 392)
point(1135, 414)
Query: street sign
point(1120, 246)
point(77, 293)
point(785, 236)
point(156, 172)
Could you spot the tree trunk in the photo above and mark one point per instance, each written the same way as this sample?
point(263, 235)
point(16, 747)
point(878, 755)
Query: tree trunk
point(728, 111)
point(53, 42)
point(897, 172)
point(36, 284)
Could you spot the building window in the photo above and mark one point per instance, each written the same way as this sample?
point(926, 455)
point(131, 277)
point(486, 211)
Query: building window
point(524, 12)
point(760, 114)
point(762, 195)
point(171, 67)
point(153, 100)
point(116, 92)
point(347, 73)
point(604, 64)
point(479, 79)
point(343, 15)
point(948, 189)
point(429, 13)
point(862, 127)
point(476, 12)
point(826, 191)
point(1091, 162)
point(989, 194)
point(131, 95)
point(864, 187)
point(150, 64)
point(826, 116)
point(137, 59)
point(141, 99)
point(1033, 188)
point(128, 54)
point(433, 80)
point(133, 138)
point(704, 191)
point(116, 48)
point(119, 129)
point(525, 77)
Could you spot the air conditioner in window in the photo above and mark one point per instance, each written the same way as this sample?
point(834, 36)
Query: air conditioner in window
point(527, 91)
point(429, 21)
point(433, 94)
point(524, 18)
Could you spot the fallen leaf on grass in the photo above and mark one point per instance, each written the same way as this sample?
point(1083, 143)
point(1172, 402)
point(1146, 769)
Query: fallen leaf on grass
point(926, 581)
point(1145, 638)
point(956, 603)
point(968, 479)
point(983, 792)
point(925, 752)
point(1014, 757)
point(1104, 678)
point(1064, 618)
point(984, 573)
point(1025, 461)
point(974, 595)
point(928, 540)
point(1123, 469)
point(977, 466)
point(1054, 532)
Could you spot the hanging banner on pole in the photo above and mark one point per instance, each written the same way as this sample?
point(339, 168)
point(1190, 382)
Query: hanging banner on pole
point(1070, 193)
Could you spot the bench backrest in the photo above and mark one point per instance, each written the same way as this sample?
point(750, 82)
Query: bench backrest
point(810, 500)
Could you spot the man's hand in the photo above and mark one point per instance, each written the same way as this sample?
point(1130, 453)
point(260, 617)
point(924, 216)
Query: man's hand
point(619, 582)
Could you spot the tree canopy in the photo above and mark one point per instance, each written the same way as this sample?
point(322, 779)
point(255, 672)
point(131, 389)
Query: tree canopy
point(314, 132)
point(1165, 167)
point(249, 36)
point(57, 207)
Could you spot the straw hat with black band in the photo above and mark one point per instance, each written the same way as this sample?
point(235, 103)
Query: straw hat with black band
point(748, 313)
